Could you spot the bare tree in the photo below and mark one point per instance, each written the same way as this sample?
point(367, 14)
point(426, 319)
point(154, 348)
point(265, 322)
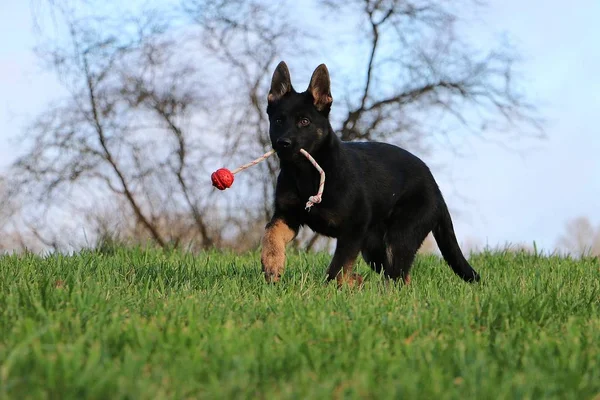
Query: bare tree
point(420, 78)
point(120, 130)
point(580, 237)
point(139, 124)
point(157, 99)
point(13, 236)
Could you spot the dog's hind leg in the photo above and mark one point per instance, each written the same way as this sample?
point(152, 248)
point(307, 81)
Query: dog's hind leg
point(375, 252)
point(407, 230)
point(342, 263)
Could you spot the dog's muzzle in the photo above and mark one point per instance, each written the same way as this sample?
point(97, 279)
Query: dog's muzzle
point(283, 144)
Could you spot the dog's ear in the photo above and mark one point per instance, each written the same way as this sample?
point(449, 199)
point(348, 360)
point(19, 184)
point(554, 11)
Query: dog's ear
point(320, 88)
point(281, 83)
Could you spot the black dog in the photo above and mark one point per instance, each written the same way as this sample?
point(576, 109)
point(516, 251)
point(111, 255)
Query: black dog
point(379, 199)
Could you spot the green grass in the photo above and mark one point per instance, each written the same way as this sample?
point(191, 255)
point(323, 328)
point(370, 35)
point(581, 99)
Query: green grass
point(145, 324)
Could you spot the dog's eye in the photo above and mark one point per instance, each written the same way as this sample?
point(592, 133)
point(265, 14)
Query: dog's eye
point(304, 122)
point(278, 121)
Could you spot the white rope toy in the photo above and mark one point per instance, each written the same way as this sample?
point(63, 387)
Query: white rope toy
point(316, 199)
point(253, 163)
point(223, 178)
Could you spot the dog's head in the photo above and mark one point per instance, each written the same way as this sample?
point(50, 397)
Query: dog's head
point(298, 120)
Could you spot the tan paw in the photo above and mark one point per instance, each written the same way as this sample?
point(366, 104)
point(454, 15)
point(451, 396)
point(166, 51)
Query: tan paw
point(352, 280)
point(272, 276)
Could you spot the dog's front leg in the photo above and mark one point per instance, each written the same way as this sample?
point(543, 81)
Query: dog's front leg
point(278, 233)
point(341, 265)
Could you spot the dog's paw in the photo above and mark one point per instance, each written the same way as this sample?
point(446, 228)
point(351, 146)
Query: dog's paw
point(272, 276)
point(351, 280)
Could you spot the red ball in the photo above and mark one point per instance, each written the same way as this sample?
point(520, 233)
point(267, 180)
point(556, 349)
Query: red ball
point(222, 178)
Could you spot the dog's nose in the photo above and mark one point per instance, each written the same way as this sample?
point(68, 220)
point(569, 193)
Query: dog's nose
point(284, 142)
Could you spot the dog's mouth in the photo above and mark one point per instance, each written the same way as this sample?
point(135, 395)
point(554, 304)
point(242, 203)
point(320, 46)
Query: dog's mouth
point(288, 153)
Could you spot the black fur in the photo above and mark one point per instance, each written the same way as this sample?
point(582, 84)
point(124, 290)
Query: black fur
point(379, 199)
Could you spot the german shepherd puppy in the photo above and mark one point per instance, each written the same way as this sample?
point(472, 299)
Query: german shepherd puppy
point(379, 200)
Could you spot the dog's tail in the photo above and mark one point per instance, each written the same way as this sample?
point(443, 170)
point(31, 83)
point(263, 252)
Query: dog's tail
point(446, 241)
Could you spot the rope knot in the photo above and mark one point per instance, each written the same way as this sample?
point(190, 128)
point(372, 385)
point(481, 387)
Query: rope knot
point(312, 200)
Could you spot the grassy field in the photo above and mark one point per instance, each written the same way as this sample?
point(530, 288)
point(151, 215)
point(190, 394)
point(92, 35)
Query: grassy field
point(151, 324)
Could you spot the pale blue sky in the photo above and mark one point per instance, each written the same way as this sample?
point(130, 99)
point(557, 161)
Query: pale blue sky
point(512, 197)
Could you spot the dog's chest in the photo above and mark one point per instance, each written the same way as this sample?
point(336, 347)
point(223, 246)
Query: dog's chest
point(323, 220)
